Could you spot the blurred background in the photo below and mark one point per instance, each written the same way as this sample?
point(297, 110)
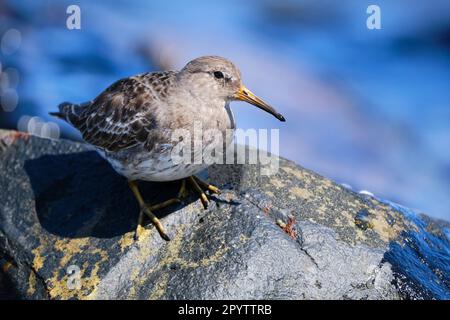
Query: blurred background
point(367, 108)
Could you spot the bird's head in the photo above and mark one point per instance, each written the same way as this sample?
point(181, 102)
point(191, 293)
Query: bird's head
point(218, 78)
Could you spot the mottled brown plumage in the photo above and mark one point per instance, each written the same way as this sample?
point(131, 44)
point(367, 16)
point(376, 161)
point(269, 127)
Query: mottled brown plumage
point(122, 116)
point(132, 123)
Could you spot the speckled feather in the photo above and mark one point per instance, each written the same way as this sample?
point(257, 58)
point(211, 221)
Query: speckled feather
point(123, 116)
point(131, 122)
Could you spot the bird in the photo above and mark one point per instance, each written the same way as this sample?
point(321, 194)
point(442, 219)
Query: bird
point(132, 122)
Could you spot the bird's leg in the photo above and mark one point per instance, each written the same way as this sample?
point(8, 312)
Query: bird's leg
point(181, 194)
point(207, 186)
point(196, 182)
point(164, 204)
point(146, 209)
point(199, 190)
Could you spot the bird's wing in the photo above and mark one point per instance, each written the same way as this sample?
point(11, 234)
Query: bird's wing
point(123, 116)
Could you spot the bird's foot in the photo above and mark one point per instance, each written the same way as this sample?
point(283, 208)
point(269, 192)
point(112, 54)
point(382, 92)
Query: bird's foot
point(207, 186)
point(163, 204)
point(147, 210)
point(196, 182)
point(182, 193)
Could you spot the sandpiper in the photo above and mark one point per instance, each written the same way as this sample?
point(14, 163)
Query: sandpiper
point(131, 123)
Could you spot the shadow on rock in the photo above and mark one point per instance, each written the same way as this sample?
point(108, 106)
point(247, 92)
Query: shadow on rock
point(79, 195)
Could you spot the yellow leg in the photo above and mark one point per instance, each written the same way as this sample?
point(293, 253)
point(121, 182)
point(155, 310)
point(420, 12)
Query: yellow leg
point(183, 193)
point(146, 209)
point(199, 190)
point(164, 204)
point(206, 185)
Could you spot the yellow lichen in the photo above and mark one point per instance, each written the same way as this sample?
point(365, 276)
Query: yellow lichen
point(299, 174)
point(301, 193)
point(38, 260)
point(160, 287)
point(69, 248)
point(382, 227)
point(31, 284)
point(322, 210)
point(126, 240)
point(269, 193)
point(243, 238)
point(360, 235)
point(59, 288)
point(91, 283)
point(277, 183)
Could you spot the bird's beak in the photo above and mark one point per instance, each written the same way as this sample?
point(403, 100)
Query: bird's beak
point(246, 95)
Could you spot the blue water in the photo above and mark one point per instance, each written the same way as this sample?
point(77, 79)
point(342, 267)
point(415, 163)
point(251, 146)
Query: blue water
point(366, 107)
point(421, 259)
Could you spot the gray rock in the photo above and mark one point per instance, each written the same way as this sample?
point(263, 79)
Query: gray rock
point(67, 222)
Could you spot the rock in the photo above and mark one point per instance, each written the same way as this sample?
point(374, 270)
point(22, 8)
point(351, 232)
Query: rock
point(67, 222)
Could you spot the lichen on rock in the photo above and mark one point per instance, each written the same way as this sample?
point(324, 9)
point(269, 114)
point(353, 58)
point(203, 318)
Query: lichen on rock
point(63, 206)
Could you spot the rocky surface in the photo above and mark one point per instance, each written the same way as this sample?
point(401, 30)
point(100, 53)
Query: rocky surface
point(67, 222)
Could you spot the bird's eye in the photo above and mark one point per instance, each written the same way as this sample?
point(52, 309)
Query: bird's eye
point(218, 75)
